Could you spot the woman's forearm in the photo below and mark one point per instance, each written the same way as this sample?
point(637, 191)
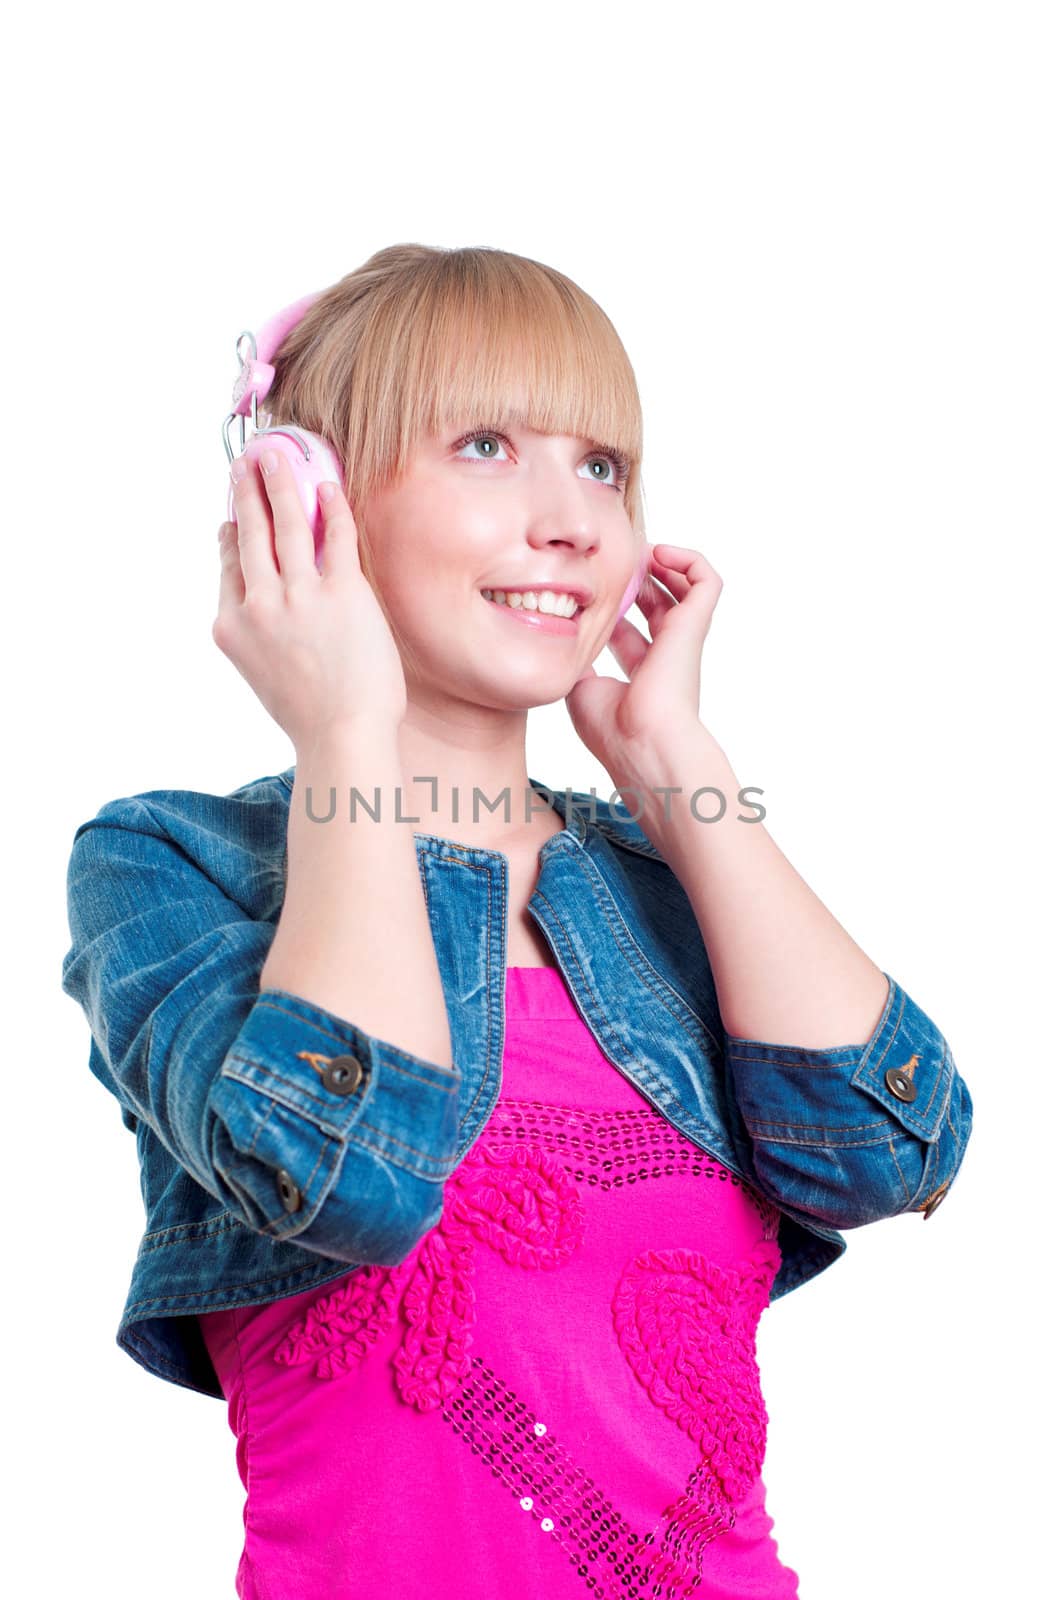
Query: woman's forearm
point(353, 935)
point(786, 971)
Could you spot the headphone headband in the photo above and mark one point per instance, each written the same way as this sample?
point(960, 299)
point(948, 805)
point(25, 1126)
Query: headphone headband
point(273, 333)
point(256, 372)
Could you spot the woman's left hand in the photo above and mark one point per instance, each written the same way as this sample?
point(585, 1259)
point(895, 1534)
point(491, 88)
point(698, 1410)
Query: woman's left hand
point(659, 703)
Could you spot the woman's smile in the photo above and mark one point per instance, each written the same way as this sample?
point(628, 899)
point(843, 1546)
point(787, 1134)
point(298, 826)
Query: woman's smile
point(545, 621)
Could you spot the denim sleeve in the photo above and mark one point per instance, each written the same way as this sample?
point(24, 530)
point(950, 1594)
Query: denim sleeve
point(860, 1132)
point(305, 1127)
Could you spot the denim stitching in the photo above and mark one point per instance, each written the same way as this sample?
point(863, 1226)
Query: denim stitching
point(299, 1105)
point(272, 1224)
point(925, 1116)
point(391, 1138)
point(871, 1043)
point(471, 1112)
point(810, 1066)
point(929, 1178)
point(835, 1145)
point(660, 1088)
point(388, 1050)
point(253, 1283)
point(814, 1127)
point(301, 1227)
point(304, 1021)
point(211, 1227)
point(657, 988)
point(662, 991)
point(237, 1192)
point(937, 1079)
point(265, 1228)
point(613, 832)
point(615, 837)
point(326, 1106)
point(348, 1045)
point(438, 1163)
point(900, 1174)
point(261, 1124)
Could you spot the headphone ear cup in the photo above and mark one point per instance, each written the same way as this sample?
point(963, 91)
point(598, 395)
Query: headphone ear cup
point(317, 463)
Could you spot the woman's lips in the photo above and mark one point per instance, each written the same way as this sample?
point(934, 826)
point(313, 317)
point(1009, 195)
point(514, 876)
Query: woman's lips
point(538, 619)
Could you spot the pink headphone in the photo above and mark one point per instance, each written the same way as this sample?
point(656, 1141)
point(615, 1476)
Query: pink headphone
point(311, 458)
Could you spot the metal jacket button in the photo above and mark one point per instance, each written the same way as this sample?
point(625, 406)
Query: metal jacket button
point(343, 1074)
point(291, 1199)
point(899, 1083)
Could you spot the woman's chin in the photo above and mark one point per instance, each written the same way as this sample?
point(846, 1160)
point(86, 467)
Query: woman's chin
point(517, 693)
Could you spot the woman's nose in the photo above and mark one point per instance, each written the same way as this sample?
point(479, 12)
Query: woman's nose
point(561, 512)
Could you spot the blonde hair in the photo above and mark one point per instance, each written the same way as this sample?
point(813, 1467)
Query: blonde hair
point(421, 336)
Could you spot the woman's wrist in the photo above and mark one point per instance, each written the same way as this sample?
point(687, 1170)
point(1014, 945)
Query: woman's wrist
point(340, 740)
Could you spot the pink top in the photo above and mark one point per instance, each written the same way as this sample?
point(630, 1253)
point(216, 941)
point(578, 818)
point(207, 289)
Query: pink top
point(557, 1392)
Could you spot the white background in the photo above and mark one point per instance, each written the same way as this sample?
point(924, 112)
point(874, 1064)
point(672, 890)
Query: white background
point(828, 235)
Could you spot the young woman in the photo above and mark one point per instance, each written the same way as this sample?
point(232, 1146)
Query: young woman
point(473, 1151)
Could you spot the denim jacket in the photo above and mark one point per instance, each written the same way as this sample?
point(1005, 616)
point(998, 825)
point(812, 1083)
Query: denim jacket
point(280, 1145)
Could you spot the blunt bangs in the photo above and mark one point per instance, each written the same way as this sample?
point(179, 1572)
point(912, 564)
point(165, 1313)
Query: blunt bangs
point(508, 347)
point(420, 340)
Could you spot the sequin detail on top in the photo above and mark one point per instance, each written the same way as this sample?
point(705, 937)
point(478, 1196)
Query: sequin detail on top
point(616, 1562)
point(607, 1149)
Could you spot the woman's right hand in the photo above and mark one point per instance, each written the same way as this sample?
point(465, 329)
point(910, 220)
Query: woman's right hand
point(315, 647)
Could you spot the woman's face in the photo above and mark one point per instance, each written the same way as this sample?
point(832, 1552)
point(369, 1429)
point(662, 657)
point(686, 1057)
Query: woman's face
point(498, 511)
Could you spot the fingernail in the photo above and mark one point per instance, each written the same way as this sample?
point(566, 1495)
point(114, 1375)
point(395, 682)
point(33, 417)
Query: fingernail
point(238, 469)
point(269, 461)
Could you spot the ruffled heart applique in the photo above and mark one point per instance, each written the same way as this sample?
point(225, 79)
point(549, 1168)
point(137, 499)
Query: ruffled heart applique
point(519, 1202)
point(688, 1330)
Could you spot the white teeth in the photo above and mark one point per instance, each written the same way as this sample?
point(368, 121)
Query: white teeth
point(545, 600)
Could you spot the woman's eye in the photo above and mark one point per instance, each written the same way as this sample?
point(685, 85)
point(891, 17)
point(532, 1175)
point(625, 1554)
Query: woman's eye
point(491, 439)
point(599, 465)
